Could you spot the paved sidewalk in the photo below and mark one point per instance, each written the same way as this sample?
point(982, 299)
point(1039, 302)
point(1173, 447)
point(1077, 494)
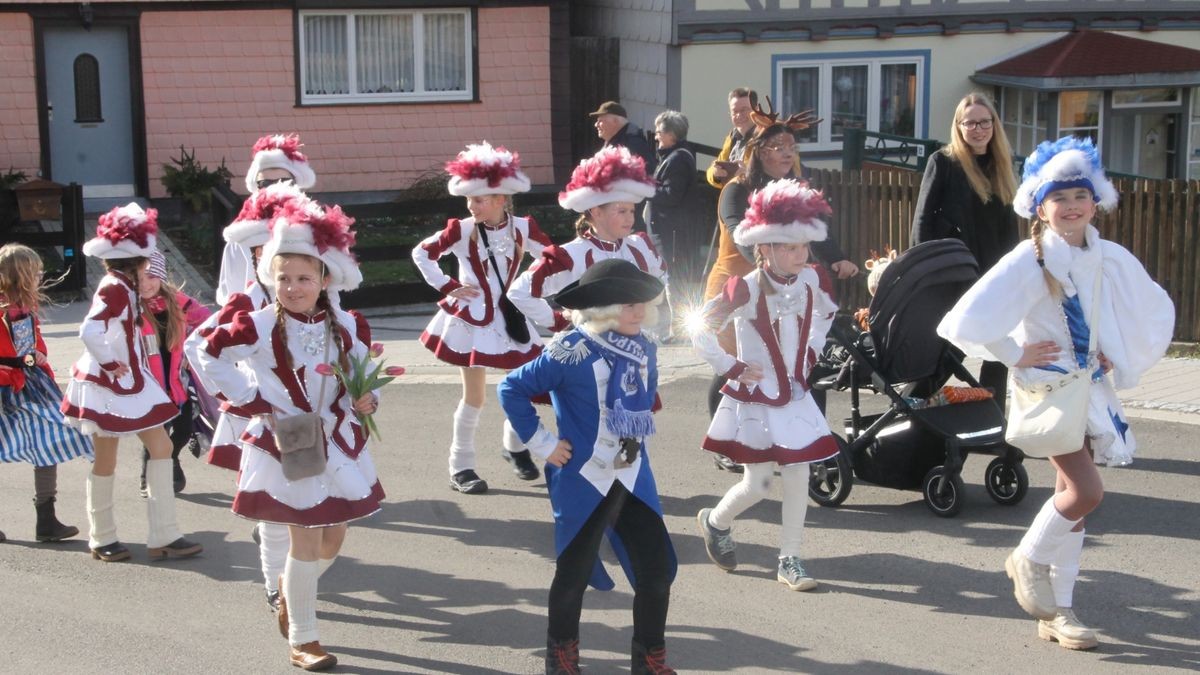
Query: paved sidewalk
point(1168, 392)
point(178, 268)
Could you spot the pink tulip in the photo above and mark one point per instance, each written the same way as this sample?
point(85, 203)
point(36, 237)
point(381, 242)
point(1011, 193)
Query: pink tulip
point(394, 371)
point(376, 350)
point(324, 369)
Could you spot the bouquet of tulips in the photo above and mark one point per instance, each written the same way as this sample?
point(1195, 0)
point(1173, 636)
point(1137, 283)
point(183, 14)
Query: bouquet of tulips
point(364, 377)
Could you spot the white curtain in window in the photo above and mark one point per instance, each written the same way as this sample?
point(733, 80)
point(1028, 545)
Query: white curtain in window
point(325, 68)
point(384, 53)
point(445, 52)
point(898, 98)
point(801, 91)
point(849, 99)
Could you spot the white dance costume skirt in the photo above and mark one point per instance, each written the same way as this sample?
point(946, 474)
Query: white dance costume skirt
point(459, 343)
point(96, 408)
point(348, 489)
point(749, 433)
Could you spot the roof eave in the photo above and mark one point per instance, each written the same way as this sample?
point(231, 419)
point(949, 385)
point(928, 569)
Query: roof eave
point(1125, 81)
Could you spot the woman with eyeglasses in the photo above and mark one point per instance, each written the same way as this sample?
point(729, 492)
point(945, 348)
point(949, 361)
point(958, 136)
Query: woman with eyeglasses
point(771, 154)
point(967, 194)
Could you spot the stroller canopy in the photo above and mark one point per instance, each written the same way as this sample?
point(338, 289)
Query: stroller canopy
point(915, 292)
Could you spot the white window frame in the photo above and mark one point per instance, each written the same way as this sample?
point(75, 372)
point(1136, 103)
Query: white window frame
point(1010, 96)
point(824, 108)
point(418, 94)
point(1063, 131)
point(1149, 104)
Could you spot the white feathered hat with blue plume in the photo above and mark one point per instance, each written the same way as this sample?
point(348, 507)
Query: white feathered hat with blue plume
point(1057, 165)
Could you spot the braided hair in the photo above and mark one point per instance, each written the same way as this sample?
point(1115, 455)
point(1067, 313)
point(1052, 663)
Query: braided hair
point(760, 262)
point(1036, 228)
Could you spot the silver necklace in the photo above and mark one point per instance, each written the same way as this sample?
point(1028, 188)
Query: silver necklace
point(312, 338)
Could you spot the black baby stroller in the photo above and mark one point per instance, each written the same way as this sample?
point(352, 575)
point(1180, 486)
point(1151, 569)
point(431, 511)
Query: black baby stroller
point(912, 446)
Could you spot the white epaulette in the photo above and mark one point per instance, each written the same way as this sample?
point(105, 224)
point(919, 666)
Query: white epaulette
point(565, 353)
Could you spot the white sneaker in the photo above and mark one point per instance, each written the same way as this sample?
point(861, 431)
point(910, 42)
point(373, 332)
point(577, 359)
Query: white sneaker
point(1031, 586)
point(1067, 631)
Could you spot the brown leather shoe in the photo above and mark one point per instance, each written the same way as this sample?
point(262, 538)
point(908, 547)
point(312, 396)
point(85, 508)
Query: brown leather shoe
point(281, 614)
point(310, 656)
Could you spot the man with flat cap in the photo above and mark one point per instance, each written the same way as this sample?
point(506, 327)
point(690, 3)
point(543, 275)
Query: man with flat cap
point(614, 128)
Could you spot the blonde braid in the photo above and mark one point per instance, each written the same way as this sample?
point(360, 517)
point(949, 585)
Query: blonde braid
point(333, 328)
point(1036, 227)
point(281, 323)
point(760, 262)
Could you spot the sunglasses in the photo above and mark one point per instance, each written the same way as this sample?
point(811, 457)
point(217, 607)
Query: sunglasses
point(264, 183)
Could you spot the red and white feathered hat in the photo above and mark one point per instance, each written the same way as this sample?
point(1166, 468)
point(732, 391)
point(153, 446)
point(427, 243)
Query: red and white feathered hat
point(125, 232)
point(280, 151)
point(308, 228)
point(611, 175)
point(786, 211)
point(252, 227)
point(484, 170)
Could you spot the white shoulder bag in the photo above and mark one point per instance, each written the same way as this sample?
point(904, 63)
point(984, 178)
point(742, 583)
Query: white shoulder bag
point(1050, 419)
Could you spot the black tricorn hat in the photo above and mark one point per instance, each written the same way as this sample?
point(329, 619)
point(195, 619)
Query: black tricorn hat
point(609, 282)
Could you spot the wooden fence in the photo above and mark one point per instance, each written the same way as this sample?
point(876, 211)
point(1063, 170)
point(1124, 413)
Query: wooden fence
point(1157, 220)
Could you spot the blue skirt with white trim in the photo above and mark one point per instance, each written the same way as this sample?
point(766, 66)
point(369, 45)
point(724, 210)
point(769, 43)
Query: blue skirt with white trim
point(32, 427)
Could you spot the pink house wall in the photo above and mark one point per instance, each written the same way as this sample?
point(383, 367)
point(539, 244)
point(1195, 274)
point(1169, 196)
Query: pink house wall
point(19, 147)
point(218, 80)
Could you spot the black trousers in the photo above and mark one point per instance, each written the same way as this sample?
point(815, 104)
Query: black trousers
point(645, 538)
point(995, 375)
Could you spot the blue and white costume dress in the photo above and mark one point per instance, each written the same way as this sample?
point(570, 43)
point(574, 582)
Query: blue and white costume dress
point(575, 369)
point(1011, 306)
point(32, 428)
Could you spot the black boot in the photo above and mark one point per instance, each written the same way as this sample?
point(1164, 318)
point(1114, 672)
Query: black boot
point(649, 661)
point(562, 657)
point(522, 464)
point(48, 527)
point(179, 478)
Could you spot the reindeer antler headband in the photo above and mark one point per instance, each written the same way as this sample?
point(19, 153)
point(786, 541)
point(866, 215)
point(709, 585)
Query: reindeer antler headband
point(798, 122)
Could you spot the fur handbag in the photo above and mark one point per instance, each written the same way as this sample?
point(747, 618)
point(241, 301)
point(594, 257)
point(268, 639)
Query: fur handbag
point(1047, 420)
point(300, 439)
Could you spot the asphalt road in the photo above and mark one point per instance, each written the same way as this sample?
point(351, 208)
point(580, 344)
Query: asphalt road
point(442, 582)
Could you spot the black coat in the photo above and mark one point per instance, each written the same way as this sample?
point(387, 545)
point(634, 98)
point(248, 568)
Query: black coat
point(631, 137)
point(948, 207)
point(667, 211)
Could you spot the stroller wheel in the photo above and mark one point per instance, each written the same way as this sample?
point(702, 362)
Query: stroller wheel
point(1006, 483)
point(829, 482)
point(944, 500)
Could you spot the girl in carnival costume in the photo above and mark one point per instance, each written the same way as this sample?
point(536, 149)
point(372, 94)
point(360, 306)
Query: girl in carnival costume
point(766, 419)
point(470, 329)
point(1031, 312)
point(113, 392)
point(169, 316)
point(604, 189)
point(602, 378)
point(275, 159)
point(31, 426)
point(287, 347)
point(250, 231)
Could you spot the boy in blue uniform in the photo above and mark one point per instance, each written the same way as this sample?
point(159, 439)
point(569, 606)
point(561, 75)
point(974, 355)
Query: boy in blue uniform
point(602, 378)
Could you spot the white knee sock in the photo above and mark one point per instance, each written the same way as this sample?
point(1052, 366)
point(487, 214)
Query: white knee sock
point(512, 442)
point(324, 564)
point(462, 444)
point(102, 526)
point(1065, 568)
point(755, 484)
point(1043, 538)
point(274, 542)
point(160, 503)
point(300, 589)
point(795, 508)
